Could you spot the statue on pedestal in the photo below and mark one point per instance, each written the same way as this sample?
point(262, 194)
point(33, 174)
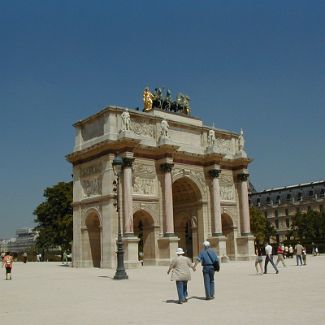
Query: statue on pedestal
point(241, 141)
point(211, 137)
point(126, 121)
point(164, 128)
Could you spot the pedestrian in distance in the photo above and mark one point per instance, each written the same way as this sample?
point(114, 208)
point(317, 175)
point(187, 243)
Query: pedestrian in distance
point(280, 252)
point(207, 257)
point(259, 260)
point(269, 258)
point(25, 257)
point(304, 256)
point(7, 262)
point(180, 267)
point(298, 251)
point(290, 251)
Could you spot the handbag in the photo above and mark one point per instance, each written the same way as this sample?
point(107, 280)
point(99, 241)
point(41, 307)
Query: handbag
point(215, 263)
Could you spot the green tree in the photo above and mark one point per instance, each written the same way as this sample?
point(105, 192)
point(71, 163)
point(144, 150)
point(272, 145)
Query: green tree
point(54, 217)
point(260, 226)
point(309, 226)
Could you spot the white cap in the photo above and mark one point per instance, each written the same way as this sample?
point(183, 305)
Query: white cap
point(179, 251)
point(206, 243)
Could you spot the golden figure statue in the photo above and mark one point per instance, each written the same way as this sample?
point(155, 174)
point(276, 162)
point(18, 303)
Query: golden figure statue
point(147, 99)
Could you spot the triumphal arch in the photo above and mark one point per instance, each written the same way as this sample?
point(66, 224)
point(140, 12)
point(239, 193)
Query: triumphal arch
point(182, 183)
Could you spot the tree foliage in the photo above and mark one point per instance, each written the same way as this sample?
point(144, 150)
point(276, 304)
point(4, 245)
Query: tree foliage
point(309, 226)
point(260, 226)
point(54, 217)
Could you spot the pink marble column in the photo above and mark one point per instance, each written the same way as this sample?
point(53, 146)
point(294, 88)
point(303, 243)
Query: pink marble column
point(127, 196)
point(244, 204)
point(168, 191)
point(216, 202)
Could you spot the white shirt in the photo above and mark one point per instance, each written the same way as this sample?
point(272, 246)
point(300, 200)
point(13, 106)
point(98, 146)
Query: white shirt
point(268, 249)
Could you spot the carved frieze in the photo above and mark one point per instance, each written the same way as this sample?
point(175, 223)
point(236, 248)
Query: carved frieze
point(144, 179)
point(224, 146)
point(142, 128)
point(227, 188)
point(91, 179)
point(144, 186)
point(92, 186)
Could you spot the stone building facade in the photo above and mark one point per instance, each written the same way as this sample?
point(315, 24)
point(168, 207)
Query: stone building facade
point(182, 183)
point(280, 205)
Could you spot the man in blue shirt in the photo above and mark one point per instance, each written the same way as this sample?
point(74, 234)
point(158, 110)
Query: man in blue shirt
point(207, 256)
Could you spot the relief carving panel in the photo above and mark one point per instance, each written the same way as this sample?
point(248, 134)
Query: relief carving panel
point(227, 189)
point(144, 179)
point(91, 179)
point(142, 128)
point(225, 146)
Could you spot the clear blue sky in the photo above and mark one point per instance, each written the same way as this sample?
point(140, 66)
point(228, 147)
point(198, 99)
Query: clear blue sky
point(256, 65)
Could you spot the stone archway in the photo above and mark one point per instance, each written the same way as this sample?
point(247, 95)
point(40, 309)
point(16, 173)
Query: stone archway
point(187, 212)
point(92, 247)
point(228, 232)
point(143, 226)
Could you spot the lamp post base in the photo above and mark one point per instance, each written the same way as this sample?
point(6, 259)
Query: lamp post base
point(120, 270)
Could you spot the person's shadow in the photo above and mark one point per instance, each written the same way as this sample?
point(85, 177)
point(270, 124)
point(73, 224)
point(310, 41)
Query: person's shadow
point(172, 301)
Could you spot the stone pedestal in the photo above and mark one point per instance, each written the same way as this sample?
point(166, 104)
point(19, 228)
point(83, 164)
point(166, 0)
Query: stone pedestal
point(131, 259)
point(167, 249)
point(245, 248)
point(219, 244)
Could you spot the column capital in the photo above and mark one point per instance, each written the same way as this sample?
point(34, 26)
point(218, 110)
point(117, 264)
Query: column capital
point(166, 167)
point(243, 177)
point(214, 173)
point(128, 162)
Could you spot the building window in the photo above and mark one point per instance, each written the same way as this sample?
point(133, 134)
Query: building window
point(322, 192)
point(286, 212)
point(299, 196)
point(258, 202)
point(268, 200)
point(311, 193)
point(287, 222)
point(277, 238)
point(278, 199)
point(276, 212)
point(276, 223)
point(288, 197)
point(297, 210)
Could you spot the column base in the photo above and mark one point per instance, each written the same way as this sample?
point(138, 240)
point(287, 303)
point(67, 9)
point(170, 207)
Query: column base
point(218, 242)
point(167, 249)
point(245, 247)
point(131, 257)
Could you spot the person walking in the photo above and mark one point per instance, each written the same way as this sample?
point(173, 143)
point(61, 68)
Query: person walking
point(259, 259)
point(290, 251)
point(25, 257)
point(207, 257)
point(269, 258)
point(180, 267)
point(7, 262)
point(304, 255)
point(298, 251)
point(280, 252)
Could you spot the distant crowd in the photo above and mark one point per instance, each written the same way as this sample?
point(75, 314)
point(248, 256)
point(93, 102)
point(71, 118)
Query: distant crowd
point(283, 252)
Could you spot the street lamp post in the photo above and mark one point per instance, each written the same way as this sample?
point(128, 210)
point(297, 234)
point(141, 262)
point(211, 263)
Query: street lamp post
point(120, 270)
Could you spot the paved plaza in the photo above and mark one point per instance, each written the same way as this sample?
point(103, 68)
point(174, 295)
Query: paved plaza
point(49, 293)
